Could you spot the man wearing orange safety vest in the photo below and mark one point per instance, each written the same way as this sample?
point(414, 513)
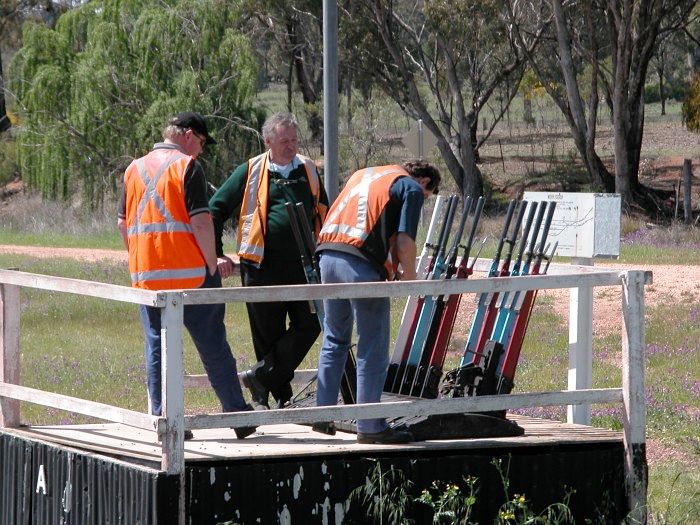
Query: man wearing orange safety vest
point(255, 196)
point(371, 226)
point(165, 223)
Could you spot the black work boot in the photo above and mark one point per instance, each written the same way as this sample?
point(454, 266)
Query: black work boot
point(388, 436)
point(324, 427)
point(258, 393)
point(282, 395)
point(244, 432)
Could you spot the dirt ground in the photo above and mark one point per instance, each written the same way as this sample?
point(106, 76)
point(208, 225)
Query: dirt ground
point(669, 283)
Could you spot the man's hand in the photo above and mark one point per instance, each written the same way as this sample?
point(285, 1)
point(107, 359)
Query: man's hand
point(226, 266)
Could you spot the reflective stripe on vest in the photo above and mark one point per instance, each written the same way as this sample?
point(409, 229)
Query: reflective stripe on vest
point(253, 216)
point(361, 190)
point(159, 275)
point(151, 194)
point(163, 252)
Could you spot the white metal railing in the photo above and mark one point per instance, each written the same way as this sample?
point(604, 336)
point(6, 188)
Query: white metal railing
point(172, 424)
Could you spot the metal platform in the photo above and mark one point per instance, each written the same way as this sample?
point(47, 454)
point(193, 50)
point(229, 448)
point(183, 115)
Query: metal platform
point(288, 473)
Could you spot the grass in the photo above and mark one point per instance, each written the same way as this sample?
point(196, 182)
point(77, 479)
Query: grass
point(29, 221)
point(675, 244)
point(672, 395)
point(93, 348)
point(104, 363)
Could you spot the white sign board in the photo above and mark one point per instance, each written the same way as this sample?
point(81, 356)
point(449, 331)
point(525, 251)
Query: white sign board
point(584, 224)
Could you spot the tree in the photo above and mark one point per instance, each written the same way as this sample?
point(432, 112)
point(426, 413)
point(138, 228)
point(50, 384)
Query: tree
point(441, 62)
point(635, 27)
point(617, 54)
point(13, 13)
point(691, 105)
point(559, 65)
point(10, 19)
point(95, 92)
point(4, 119)
point(296, 29)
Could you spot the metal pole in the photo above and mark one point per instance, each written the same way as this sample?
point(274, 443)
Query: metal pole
point(420, 139)
point(330, 98)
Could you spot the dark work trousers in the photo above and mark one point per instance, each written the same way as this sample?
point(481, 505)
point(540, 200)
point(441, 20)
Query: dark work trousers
point(205, 323)
point(280, 346)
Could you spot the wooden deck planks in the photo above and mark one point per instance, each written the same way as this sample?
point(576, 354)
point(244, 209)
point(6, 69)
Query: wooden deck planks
point(284, 440)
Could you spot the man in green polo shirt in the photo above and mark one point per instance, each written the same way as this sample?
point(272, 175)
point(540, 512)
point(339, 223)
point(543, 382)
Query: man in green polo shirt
point(254, 196)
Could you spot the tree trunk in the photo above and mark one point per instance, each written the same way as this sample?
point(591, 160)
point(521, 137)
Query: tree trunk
point(290, 87)
point(4, 120)
point(473, 140)
point(461, 164)
point(528, 119)
point(306, 84)
point(660, 71)
point(620, 125)
point(583, 130)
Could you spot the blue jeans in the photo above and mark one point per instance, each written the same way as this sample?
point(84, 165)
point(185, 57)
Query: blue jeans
point(372, 317)
point(205, 324)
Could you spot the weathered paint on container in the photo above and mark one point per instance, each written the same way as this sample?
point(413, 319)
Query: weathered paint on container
point(43, 483)
point(49, 484)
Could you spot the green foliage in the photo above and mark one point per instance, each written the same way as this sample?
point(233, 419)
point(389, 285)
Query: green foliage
point(450, 506)
point(385, 495)
point(675, 90)
point(691, 105)
point(386, 498)
point(8, 160)
point(96, 91)
point(516, 509)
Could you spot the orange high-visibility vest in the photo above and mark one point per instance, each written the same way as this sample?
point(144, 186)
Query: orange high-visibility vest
point(359, 206)
point(253, 216)
point(163, 252)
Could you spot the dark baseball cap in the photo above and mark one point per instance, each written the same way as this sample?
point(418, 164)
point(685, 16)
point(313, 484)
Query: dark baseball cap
point(193, 121)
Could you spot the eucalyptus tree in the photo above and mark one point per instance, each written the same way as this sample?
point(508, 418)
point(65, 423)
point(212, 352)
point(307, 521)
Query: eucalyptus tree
point(295, 28)
point(616, 41)
point(568, 65)
point(4, 119)
point(11, 17)
point(635, 27)
point(95, 91)
point(442, 61)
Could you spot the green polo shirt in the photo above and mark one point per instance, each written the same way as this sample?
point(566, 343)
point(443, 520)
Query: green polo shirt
point(279, 238)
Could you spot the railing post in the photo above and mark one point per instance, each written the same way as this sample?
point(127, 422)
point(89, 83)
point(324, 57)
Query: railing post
point(634, 409)
point(173, 406)
point(9, 351)
point(580, 345)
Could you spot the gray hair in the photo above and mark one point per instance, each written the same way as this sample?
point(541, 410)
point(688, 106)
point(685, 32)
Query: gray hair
point(283, 119)
point(173, 132)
